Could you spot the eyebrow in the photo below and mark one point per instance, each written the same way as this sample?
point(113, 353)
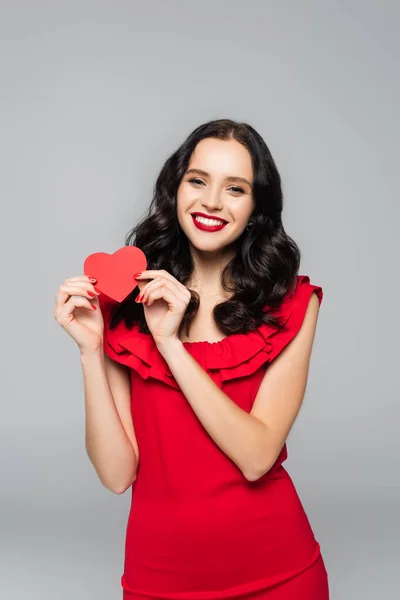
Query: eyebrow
point(205, 174)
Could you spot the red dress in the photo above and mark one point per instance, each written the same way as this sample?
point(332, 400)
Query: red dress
point(197, 529)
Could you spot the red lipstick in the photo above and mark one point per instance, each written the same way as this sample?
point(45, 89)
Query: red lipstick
point(205, 227)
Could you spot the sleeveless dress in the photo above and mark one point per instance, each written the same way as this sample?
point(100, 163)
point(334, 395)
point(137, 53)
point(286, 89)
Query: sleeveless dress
point(197, 529)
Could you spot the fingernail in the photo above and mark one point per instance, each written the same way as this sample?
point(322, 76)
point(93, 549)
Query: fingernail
point(141, 297)
point(94, 307)
point(137, 274)
point(96, 290)
point(91, 295)
point(92, 279)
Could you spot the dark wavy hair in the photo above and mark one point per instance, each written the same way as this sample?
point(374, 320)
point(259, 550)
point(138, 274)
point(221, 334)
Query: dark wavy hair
point(266, 261)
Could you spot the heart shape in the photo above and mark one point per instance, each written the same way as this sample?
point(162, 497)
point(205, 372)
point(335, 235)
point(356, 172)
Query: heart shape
point(114, 272)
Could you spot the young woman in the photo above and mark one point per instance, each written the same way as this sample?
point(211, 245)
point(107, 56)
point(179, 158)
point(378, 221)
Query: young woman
point(203, 373)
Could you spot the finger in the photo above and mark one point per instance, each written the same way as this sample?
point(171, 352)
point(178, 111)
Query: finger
point(142, 285)
point(84, 285)
point(76, 281)
point(175, 304)
point(79, 302)
point(162, 274)
point(78, 288)
point(146, 286)
point(152, 274)
point(160, 281)
point(153, 293)
point(82, 278)
point(64, 313)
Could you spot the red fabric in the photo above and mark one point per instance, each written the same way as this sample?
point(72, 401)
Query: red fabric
point(197, 529)
point(310, 584)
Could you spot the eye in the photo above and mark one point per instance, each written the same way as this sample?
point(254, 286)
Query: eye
point(234, 188)
point(240, 190)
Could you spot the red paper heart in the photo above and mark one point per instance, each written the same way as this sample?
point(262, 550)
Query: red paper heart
point(114, 272)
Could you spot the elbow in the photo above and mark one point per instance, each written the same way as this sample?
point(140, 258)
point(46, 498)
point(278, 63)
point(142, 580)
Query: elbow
point(122, 488)
point(118, 480)
point(127, 482)
point(254, 475)
point(255, 472)
point(262, 463)
point(119, 485)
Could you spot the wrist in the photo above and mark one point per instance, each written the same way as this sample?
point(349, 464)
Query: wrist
point(87, 355)
point(167, 346)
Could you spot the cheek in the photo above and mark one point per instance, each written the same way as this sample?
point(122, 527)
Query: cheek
point(185, 198)
point(241, 213)
point(182, 206)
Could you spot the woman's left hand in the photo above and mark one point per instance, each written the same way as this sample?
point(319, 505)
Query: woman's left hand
point(164, 300)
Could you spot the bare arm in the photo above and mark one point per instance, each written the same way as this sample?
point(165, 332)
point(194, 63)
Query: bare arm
point(110, 437)
point(252, 440)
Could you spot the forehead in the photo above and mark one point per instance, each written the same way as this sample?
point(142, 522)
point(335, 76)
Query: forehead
point(222, 158)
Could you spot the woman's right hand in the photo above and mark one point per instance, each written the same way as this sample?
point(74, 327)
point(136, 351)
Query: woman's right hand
point(74, 311)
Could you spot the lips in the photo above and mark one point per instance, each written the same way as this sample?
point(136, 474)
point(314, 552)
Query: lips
point(204, 227)
point(200, 214)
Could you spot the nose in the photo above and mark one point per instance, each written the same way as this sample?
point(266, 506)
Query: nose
point(212, 200)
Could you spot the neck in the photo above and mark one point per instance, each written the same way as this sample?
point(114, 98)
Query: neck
point(208, 266)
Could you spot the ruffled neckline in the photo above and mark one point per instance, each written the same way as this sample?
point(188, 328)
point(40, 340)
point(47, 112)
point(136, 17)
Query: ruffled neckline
point(189, 343)
point(222, 355)
point(235, 355)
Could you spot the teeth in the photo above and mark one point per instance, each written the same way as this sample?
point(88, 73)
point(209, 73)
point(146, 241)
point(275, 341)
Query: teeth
point(208, 221)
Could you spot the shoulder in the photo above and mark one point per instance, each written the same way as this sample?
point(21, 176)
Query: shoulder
point(304, 305)
point(304, 302)
point(301, 293)
point(299, 297)
point(298, 312)
point(304, 298)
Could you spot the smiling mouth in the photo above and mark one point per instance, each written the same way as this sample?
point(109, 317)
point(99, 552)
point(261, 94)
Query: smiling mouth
point(205, 224)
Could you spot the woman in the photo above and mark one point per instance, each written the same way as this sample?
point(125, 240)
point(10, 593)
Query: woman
point(203, 372)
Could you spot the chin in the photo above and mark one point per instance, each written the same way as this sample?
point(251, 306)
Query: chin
point(206, 241)
point(212, 246)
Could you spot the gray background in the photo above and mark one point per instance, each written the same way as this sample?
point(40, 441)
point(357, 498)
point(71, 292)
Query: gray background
point(94, 97)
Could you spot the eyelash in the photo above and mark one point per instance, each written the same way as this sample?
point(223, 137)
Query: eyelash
point(195, 180)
